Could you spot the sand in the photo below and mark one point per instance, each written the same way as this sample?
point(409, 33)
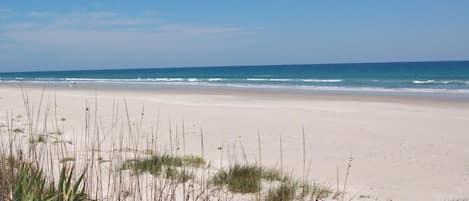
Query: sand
point(403, 148)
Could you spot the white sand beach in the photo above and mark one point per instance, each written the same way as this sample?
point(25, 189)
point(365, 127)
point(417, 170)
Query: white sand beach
point(403, 148)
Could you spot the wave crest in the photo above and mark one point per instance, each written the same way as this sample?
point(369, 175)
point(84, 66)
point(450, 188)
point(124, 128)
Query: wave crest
point(441, 82)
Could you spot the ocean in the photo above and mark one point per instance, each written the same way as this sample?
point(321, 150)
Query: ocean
point(447, 78)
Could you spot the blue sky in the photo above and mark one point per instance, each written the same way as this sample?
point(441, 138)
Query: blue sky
point(95, 34)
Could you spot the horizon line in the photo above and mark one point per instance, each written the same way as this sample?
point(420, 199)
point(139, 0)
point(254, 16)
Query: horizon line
point(215, 66)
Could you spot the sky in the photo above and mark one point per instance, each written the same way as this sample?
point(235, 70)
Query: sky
point(101, 34)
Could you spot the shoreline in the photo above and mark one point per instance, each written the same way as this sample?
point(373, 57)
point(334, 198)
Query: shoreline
point(250, 92)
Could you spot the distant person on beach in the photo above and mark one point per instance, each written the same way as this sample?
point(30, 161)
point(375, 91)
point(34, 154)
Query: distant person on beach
point(73, 84)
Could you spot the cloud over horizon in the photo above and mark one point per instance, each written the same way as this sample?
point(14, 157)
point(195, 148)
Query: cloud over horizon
point(93, 35)
point(111, 30)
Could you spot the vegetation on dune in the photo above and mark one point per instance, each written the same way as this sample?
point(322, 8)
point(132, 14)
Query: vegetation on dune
point(245, 178)
point(155, 162)
point(248, 178)
point(67, 159)
point(285, 192)
point(318, 192)
point(240, 179)
point(168, 166)
point(37, 165)
point(36, 140)
point(181, 176)
point(23, 181)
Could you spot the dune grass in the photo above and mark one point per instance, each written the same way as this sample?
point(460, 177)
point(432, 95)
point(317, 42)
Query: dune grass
point(67, 159)
point(285, 192)
point(28, 171)
point(37, 139)
point(166, 165)
point(24, 181)
point(319, 192)
point(155, 163)
point(245, 178)
point(181, 176)
point(240, 179)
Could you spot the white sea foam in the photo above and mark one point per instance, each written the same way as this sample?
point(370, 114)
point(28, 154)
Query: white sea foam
point(175, 79)
point(279, 80)
point(165, 79)
point(215, 79)
point(348, 89)
point(294, 80)
point(423, 81)
point(161, 79)
point(269, 79)
point(318, 80)
point(441, 82)
point(88, 79)
point(257, 79)
point(266, 83)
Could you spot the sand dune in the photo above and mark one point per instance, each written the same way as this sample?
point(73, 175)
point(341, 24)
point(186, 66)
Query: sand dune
point(403, 148)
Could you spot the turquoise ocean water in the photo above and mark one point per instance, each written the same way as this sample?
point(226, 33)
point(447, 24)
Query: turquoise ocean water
point(406, 77)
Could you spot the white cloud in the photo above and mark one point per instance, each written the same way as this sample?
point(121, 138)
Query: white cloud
point(35, 14)
point(111, 39)
point(4, 13)
point(111, 30)
point(4, 10)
